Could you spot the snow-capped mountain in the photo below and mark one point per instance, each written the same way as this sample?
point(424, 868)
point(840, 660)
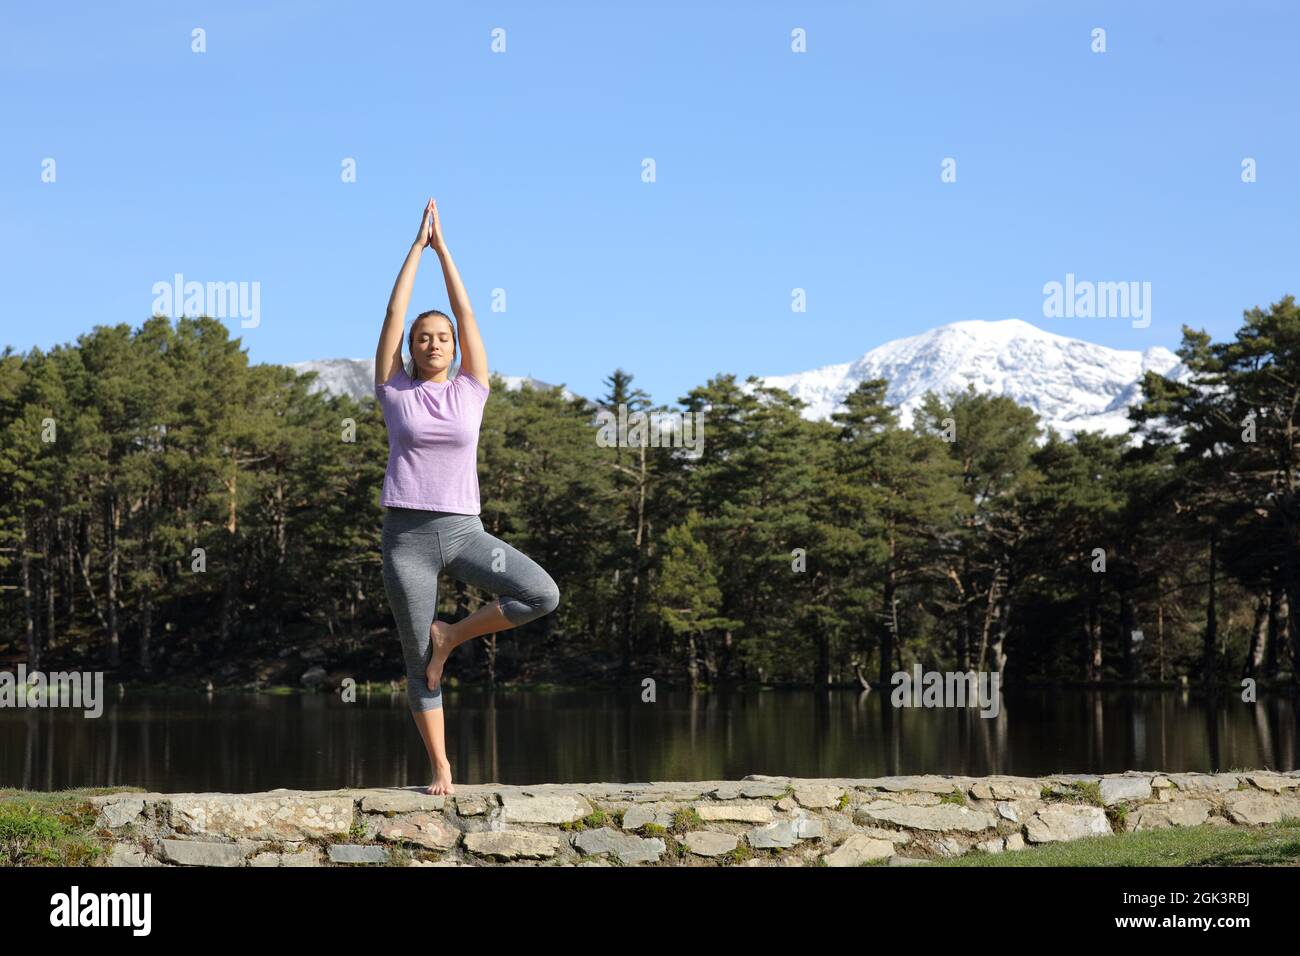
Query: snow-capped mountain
point(356, 377)
point(1073, 385)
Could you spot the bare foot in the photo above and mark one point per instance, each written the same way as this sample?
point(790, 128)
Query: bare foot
point(442, 782)
point(439, 647)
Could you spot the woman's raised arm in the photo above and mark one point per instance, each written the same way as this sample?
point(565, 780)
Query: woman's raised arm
point(388, 356)
point(473, 355)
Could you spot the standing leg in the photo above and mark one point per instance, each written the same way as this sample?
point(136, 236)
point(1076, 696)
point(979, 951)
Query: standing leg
point(411, 564)
point(430, 725)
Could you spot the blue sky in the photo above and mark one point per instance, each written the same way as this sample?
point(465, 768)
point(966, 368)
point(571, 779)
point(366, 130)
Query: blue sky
point(774, 170)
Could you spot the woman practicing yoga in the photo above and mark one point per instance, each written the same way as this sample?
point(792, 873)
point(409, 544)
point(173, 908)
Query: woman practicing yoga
point(430, 495)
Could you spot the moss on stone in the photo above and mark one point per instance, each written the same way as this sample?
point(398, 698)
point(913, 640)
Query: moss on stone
point(740, 854)
point(399, 856)
point(592, 821)
point(687, 819)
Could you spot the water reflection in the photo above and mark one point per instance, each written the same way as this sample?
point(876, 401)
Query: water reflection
point(247, 743)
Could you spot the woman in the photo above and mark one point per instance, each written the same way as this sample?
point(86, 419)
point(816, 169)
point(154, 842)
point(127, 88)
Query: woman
point(430, 494)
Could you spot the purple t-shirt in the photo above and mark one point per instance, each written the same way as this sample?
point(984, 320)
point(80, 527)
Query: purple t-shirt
point(432, 442)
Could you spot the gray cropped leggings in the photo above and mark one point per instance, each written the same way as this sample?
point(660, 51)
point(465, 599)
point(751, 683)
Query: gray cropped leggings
point(417, 545)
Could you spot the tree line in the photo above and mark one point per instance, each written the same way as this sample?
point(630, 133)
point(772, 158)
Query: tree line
point(166, 507)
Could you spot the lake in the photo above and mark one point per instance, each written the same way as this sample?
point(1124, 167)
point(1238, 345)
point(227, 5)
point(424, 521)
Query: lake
point(245, 743)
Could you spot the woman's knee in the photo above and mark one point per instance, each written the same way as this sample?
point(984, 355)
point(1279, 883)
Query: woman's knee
point(527, 604)
point(548, 596)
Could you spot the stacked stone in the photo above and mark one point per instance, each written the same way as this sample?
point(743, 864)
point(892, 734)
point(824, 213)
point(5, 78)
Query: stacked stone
point(758, 821)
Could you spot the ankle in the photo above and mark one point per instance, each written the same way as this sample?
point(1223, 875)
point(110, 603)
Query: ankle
point(446, 633)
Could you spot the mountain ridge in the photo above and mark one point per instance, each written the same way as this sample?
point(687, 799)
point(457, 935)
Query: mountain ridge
point(356, 377)
point(1072, 384)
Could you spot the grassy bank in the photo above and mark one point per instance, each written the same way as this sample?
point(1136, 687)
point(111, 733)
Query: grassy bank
point(1274, 845)
point(51, 829)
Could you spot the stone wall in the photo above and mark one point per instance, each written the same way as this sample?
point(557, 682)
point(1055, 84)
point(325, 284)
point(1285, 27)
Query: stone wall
point(757, 821)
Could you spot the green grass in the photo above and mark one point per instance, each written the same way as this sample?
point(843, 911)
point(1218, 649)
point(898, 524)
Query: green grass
point(51, 829)
point(686, 819)
point(1275, 845)
point(1073, 793)
point(594, 820)
point(740, 854)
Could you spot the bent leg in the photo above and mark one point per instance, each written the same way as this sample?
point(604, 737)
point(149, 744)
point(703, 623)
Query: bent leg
point(411, 564)
point(525, 591)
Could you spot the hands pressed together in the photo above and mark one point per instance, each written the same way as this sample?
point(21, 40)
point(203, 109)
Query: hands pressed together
point(430, 233)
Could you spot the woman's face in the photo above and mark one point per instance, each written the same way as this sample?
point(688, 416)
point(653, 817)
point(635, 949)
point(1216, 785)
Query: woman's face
point(432, 346)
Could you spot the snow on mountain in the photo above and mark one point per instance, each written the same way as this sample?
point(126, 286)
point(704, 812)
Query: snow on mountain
point(356, 377)
point(1073, 385)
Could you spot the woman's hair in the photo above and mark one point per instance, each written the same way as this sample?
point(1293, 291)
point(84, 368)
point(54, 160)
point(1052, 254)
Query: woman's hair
point(413, 370)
